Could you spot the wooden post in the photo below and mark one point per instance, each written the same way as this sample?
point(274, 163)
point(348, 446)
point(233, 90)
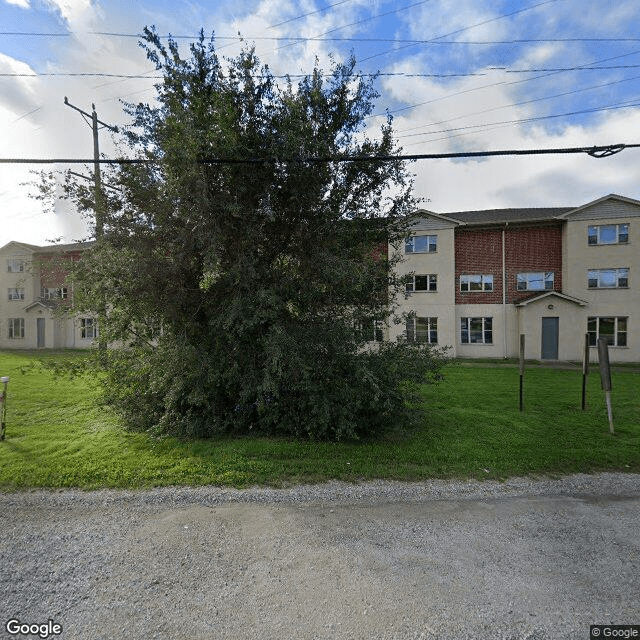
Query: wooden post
point(3, 399)
point(605, 376)
point(521, 371)
point(585, 371)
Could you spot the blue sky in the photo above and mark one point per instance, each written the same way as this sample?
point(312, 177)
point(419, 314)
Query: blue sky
point(457, 76)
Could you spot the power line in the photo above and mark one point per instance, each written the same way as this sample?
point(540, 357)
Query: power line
point(330, 39)
point(397, 74)
point(600, 151)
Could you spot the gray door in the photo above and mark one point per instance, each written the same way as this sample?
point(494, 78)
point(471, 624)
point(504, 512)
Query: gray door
point(40, 328)
point(550, 329)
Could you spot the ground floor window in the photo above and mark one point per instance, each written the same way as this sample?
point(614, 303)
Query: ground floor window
point(370, 329)
point(16, 328)
point(421, 329)
point(88, 328)
point(612, 329)
point(476, 330)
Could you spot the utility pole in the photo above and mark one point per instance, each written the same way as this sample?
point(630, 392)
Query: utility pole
point(99, 198)
point(99, 206)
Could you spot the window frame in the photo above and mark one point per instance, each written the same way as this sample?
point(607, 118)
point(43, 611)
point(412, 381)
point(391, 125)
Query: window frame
point(545, 280)
point(619, 335)
point(597, 235)
point(429, 329)
point(16, 261)
point(485, 279)
point(486, 329)
point(18, 295)
point(88, 325)
point(597, 273)
point(11, 324)
point(58, 292)
point(431, 240)
point(432, 283)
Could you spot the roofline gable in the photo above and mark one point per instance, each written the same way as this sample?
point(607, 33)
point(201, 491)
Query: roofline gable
point(611, 196)
point(547, 294)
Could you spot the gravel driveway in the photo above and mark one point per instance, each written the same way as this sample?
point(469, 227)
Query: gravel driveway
point(526, 559)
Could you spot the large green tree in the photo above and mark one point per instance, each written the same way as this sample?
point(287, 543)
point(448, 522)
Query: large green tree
point(244, 261)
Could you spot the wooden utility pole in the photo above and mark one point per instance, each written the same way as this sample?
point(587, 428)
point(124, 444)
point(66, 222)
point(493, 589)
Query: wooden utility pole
point(99, 202)
point(99, 207)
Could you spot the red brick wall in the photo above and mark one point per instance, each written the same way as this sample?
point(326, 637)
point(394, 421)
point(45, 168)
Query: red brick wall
point(55, 267)
point(479, 251)
point(531, 248)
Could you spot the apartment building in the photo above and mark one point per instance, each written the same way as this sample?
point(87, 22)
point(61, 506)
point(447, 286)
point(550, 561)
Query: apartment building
point(480, 279)
point(36, 301)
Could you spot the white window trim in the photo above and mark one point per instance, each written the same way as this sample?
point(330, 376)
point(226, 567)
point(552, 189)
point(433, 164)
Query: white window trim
point(484, 280)
point(411, 286)
point(85, 328)
point(467, 321)
point(15, 293)
point(617, 271)
point(12, 328)
point(53, 293)
point(600, 226)
point(432, 327)
point(409, 244)
point(11, 262)
point(544, 275)
point(616, 330)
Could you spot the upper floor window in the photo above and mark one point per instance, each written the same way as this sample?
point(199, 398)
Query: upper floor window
point(476, 283)
point(16, 294)
point(370, 329)
point(612, 330)
point(16, 328)
point(423, 283)
point(476, 330)
point(54, 293)
point(535, 281)
point(15, 265)
point(608, 278)
point(422, 330)
point(609, 234)
point(421, 244)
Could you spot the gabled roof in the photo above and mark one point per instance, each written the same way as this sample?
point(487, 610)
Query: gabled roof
point(547, 294)
point(497, 216)
point(50, 248)
point(46, 304)
point(611, 196)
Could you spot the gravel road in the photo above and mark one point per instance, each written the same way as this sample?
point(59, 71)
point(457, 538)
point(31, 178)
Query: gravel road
point(526, 559)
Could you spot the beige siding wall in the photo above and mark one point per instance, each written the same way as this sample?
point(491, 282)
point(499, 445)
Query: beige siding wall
point(580, 257)
point(430, 304)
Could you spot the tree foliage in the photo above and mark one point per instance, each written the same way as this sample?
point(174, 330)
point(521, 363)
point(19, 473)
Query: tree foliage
point(244, 263)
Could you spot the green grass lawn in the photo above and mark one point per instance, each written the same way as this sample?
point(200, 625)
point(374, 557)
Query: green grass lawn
point(59, 435)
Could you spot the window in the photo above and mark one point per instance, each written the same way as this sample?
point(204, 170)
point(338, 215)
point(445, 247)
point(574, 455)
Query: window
point(609, 234)
point(421, 244)
point(52, 294)
point(372, 330)
point(16, 328)
point(613, 330)
point(423, 283)
point(15, 265)
point(476, 283)
point(608, 278)
point(537, 281)
point(476, 330)
point(16, 294)
point(422, 330)
point(88, 328)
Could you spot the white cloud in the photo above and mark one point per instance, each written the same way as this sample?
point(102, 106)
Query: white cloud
point(23, 4)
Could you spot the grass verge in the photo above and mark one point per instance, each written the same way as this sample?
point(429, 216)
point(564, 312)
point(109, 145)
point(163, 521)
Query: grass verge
point(59, 435)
